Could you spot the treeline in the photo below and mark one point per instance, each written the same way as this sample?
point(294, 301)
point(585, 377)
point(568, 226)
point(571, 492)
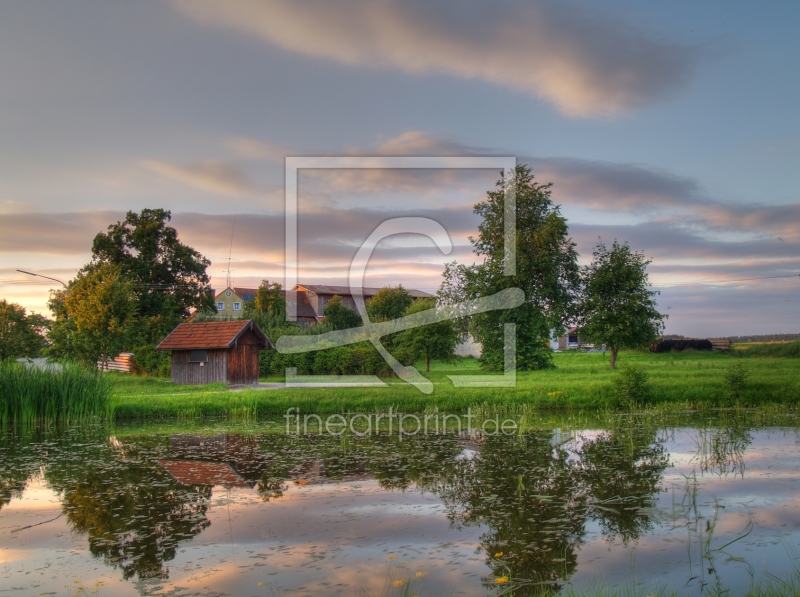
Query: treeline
point(762, 338)
point(142, 282)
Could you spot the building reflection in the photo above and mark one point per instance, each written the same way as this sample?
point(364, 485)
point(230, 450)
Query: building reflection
point(137, 498)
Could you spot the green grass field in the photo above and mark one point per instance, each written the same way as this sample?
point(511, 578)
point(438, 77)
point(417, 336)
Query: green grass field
point(580, 381)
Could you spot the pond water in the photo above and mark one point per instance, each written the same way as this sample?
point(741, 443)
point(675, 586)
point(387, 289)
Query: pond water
point(700, 506)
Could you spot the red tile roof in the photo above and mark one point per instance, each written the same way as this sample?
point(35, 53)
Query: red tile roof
point(198, 472)
point(210, 335)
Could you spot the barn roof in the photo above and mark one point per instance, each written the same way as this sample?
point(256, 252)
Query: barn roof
point(211, 334)
point(345, 290)
point(304, 308)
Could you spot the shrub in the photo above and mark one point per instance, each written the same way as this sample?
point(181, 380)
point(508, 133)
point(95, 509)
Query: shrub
point(736, 381)
point(150, 361)
point(630, 387)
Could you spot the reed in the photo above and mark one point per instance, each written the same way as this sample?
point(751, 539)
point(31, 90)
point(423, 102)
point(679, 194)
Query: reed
point(64, 394)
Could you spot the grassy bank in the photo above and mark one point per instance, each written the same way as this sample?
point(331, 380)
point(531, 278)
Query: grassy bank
point(70, 393)
point(581, 381)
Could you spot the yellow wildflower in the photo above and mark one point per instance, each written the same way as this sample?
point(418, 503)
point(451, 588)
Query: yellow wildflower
point(261, 584)
point(392, 557)
point(499, 554)
point(399, 582)
point(500, 580)
point(421, 573)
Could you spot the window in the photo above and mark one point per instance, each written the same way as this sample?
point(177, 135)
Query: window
point(237, 306)
point(228, 293)
point(220, 306)
point(198, 356)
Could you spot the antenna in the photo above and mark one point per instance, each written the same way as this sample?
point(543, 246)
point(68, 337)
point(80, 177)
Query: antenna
point(230, 252)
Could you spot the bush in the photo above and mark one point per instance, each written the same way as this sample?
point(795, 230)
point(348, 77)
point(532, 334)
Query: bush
point(736, 381)
point(630, 387)
point(150, 361)
point(355, 359)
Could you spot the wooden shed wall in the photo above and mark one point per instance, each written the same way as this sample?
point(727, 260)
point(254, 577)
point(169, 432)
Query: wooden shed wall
point(243, 360)
point(186, 373)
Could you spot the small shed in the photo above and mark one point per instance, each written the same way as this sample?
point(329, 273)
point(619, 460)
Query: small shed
point(213, 351)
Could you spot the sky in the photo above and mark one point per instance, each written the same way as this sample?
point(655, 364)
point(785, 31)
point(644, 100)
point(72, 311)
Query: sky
point(672, 126)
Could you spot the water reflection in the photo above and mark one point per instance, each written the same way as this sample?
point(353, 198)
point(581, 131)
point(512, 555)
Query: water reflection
point(136, 498)
point(531, 501)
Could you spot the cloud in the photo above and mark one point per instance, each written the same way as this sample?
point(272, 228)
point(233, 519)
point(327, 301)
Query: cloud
point(673, 242)
point(216, 177)
point(591, 184)
point(781, 220)
point(584, 64)
point(53, 233)
point(608, 186)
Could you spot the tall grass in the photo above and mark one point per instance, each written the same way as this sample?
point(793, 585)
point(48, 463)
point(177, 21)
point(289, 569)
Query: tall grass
point(62, 395)
point(773, 349)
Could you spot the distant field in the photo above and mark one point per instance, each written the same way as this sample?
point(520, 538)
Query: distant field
point(580, 381)
point(746, 345)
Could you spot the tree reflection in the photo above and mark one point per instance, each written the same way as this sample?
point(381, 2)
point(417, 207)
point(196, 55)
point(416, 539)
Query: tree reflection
point(133, 513)
point(621, 470)
point(531, 494)
point(528, 495)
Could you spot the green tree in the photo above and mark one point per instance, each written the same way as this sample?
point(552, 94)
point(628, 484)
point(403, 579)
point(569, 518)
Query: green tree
point(98, 310)
point(169, 278)
point(433, 341)
point(339, 316)
point(617, 309)
point(270, 299)
point(389, 303)
point(21, 335)
point(546, 270)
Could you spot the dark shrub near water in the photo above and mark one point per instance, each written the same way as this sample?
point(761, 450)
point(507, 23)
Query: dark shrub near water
point(64, 394)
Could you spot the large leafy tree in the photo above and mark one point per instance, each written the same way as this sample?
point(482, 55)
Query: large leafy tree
point(546, 270)
point(389, 303)
point(617, 308)
point(169, 278)
point(21, 335)
point(95, 315)
point(433, 341)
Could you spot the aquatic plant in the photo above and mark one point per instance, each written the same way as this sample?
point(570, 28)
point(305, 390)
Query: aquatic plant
point(630, 386)
point(60, 394)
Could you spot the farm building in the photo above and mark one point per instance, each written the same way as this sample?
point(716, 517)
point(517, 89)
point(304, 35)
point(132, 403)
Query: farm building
point(570, 340)
point(229, 303)
point(213, 351)
point(312, 299)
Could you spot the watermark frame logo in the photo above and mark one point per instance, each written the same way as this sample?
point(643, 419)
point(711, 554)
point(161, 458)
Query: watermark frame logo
point(372, 331)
